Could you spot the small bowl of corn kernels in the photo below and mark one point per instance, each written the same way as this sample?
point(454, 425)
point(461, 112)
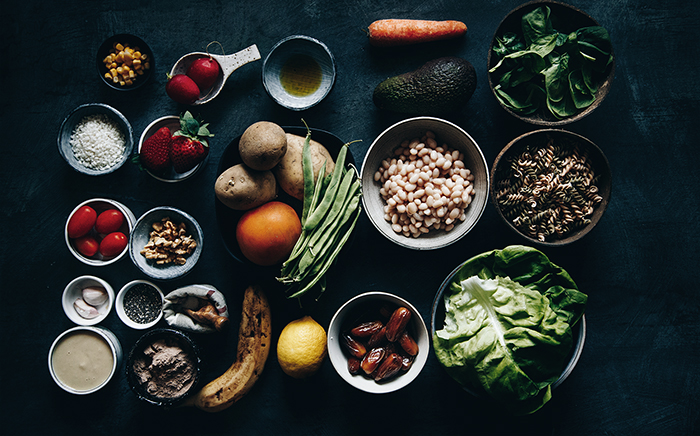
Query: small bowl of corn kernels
point(125, 62)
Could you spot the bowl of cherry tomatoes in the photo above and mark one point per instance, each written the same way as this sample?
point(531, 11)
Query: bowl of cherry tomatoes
point(97, 231)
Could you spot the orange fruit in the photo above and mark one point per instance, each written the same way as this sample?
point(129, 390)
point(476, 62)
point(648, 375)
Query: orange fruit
point(266, 235)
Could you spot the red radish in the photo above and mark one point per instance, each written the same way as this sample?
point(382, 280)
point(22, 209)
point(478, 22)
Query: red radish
point(81, 222)
point(182, 89)
point(389, 33)
point(204, 72)
point(155, 151)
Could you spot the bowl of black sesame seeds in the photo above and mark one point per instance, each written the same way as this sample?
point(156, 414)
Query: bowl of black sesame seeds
point(139, 304)
point(551, 186)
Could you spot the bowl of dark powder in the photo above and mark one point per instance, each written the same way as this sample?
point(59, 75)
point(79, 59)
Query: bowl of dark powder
point(163, 367)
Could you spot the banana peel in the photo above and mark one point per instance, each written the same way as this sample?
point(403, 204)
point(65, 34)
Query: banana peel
point(254, 342)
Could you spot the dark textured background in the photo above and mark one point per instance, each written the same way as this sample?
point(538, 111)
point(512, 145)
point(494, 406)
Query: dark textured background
point(639, 373)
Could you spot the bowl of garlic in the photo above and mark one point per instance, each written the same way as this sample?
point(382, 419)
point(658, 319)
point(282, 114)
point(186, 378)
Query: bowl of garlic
point(87, 300)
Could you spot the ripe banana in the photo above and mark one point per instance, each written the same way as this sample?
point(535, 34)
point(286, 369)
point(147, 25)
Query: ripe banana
point(254, 339)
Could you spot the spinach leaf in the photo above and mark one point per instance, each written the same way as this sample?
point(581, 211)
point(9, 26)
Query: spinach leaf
point(564, 66)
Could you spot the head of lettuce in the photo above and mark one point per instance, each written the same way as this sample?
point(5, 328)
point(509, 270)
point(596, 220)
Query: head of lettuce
point(507, 328)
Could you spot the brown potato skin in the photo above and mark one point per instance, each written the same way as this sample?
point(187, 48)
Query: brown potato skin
point(262, 145)
point(243, 188)
point(289, 171)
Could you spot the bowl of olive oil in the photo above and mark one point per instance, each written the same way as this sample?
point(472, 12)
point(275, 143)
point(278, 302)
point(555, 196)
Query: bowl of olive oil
point(299, 72)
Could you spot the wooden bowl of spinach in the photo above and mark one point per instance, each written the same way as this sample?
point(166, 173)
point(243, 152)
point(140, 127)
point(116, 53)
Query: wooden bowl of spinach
point(550, 64)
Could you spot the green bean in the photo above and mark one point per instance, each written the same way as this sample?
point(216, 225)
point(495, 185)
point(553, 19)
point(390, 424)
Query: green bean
point(344, 190)
point(315, 217)
point(308, 171)
point(321, 275)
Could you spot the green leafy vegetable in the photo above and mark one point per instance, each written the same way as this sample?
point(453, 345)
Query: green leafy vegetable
point(508, 318)
point(563, 67)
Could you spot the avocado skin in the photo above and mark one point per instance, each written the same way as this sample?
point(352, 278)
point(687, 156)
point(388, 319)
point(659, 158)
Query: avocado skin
point(440, 86)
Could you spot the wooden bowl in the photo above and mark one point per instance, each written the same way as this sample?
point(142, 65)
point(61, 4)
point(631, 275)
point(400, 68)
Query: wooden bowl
point(595, 156)
point(568, 19)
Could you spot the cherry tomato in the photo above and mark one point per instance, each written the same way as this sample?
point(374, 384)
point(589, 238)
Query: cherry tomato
point(109, 221)
point(81, 222)
point(113, 244)
point(86, 245)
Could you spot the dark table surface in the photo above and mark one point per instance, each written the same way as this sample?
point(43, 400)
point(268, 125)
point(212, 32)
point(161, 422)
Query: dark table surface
point(639, 373)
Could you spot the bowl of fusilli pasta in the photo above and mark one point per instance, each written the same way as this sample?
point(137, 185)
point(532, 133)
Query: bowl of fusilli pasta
point(551, 186)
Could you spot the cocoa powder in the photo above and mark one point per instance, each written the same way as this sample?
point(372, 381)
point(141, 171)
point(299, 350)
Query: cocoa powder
point(164, 369)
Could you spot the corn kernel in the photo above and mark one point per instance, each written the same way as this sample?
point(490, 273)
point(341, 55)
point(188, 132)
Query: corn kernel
point(115, 79)
point(119, 47)
point(139, 72)
point(144, 56)
point(108, 76)
point(147, 65)
point(136, 54)
point(122, 83)
point(120, 70)
point(128, 82)
point(132, 75)
point(113, 71)
point(136, 63)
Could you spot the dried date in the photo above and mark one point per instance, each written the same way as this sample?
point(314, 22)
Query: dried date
point(366, 329)
point(372, 360)
point(389, 367)
point(397, 323)
point(356, 348)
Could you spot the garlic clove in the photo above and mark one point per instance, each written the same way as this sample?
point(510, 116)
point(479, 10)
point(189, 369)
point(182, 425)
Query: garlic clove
point(85, 310)
point(95, 295)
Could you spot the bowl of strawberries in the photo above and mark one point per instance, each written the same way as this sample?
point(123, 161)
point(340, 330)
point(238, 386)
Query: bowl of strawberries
point(174, 148)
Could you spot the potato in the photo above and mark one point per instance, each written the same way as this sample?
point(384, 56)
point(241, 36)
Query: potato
point(289, 172)
point(242, 188)
point(262, 145)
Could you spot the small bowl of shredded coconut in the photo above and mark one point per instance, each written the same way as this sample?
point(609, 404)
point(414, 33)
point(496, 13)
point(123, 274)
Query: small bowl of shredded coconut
point(95, 139)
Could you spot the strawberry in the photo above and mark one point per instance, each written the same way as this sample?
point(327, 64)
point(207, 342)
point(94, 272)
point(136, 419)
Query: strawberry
point(189, 146)
point(204, 72)
point(155, 151)
point(182, 89)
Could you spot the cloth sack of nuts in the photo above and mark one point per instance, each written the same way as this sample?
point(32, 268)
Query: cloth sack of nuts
point(182, 305)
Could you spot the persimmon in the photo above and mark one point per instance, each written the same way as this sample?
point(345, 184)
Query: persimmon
point(266, 235)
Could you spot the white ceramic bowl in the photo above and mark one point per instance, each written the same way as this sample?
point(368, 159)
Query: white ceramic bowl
point(74, 290)
point(172, 122)
point(107, 336)
point(119, 305)
point(75, 117)
point(446, 133)
point(101, 205)
point(141, 235)
point(345, 318)
point(296, 47)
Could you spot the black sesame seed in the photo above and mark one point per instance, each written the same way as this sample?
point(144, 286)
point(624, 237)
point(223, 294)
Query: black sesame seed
point(142, 303)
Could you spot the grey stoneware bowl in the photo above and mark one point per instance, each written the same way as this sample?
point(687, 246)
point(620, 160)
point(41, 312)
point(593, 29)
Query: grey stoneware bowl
point(75, 117)
point(437, 322)
point(187, 345)
point(447, 133)
point(135, 43)
point(308, 50)
point(141, 235)
point(568, 19)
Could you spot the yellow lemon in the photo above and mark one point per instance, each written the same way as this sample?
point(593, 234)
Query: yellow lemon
point(301, 347)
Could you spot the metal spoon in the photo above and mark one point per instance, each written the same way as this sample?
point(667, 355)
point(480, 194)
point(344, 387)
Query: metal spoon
point(228, 63)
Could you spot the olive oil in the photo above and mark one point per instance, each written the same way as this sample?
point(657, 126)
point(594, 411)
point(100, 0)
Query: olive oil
point(301, 75)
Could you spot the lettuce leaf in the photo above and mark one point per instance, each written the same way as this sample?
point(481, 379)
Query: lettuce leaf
point(508, 326)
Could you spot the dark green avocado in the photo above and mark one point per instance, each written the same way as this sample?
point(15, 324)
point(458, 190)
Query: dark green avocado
point(440, 86)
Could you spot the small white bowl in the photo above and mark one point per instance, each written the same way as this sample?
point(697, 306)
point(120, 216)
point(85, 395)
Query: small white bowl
point(74, 290)
point(172, 122)
point(294, 47)
point(107, 336)
point(101, 205)
point(447, 133)
point(141, 235)
point(75, 117)
point(343, 320)
point(119, 305)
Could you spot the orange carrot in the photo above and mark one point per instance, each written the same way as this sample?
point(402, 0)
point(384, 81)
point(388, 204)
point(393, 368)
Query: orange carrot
point(389, 33)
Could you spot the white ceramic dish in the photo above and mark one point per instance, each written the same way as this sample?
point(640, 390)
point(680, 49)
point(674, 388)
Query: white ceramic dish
point(101, 205)
point(344, 319)
point(172, 122)
point(109, 338)
point(74, 290)
point(289, 48)
point(447, 133)
point(141, 235)
point(75, 117)
point(119, 305)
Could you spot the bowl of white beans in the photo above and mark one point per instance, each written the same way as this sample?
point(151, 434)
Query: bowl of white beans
point(425, 183)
